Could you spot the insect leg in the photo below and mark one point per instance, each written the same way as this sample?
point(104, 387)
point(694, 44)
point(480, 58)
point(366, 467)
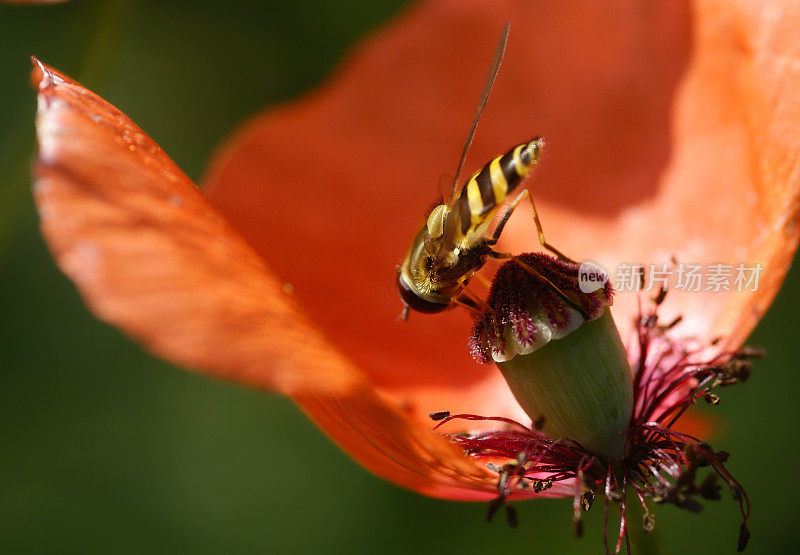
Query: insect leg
point(542, 240)
point(532, 271)
point(507, 214)
point(469, 304)
point(472, 302)
point(485, 282)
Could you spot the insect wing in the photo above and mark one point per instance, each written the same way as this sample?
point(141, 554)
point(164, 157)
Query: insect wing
point(494, 69)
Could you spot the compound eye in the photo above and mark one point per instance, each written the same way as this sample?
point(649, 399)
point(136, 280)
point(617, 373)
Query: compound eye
point(414, 301)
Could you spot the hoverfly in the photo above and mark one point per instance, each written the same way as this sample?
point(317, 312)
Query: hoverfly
point(453, 243)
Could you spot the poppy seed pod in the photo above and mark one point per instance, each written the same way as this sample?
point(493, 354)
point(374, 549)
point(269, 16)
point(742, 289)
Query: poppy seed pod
point(559, 351)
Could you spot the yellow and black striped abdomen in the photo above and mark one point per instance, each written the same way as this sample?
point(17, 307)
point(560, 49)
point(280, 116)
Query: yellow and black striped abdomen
point(488, 188)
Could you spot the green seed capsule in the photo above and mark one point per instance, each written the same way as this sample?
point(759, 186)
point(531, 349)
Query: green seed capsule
point(559, 351)
point(580, 384)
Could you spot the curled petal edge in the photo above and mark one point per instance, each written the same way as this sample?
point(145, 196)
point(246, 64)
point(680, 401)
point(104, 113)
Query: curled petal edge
point(150, 255)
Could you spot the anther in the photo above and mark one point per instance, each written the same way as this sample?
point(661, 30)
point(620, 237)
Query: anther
point(648, 521)
point(744, 537)
point(439, 415)
point(709, 488)
point(586, 500)
point(511, 515)
point(662, 294)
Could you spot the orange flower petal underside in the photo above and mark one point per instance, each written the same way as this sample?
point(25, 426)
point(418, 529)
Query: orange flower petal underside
point(671, 128)
point(150, 255)
point(393, 447)
point(756, 109)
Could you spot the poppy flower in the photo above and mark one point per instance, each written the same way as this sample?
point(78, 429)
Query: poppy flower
point(670, 133)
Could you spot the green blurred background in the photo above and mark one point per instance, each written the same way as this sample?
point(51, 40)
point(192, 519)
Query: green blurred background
point(107, 450)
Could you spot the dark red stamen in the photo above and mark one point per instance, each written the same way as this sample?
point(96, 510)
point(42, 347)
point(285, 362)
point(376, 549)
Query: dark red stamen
point(660, 464)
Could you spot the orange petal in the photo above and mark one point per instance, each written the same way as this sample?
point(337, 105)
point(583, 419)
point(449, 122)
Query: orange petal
point(671, 129)
point(151, 255)
point(391, 446)
point(698, 423)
